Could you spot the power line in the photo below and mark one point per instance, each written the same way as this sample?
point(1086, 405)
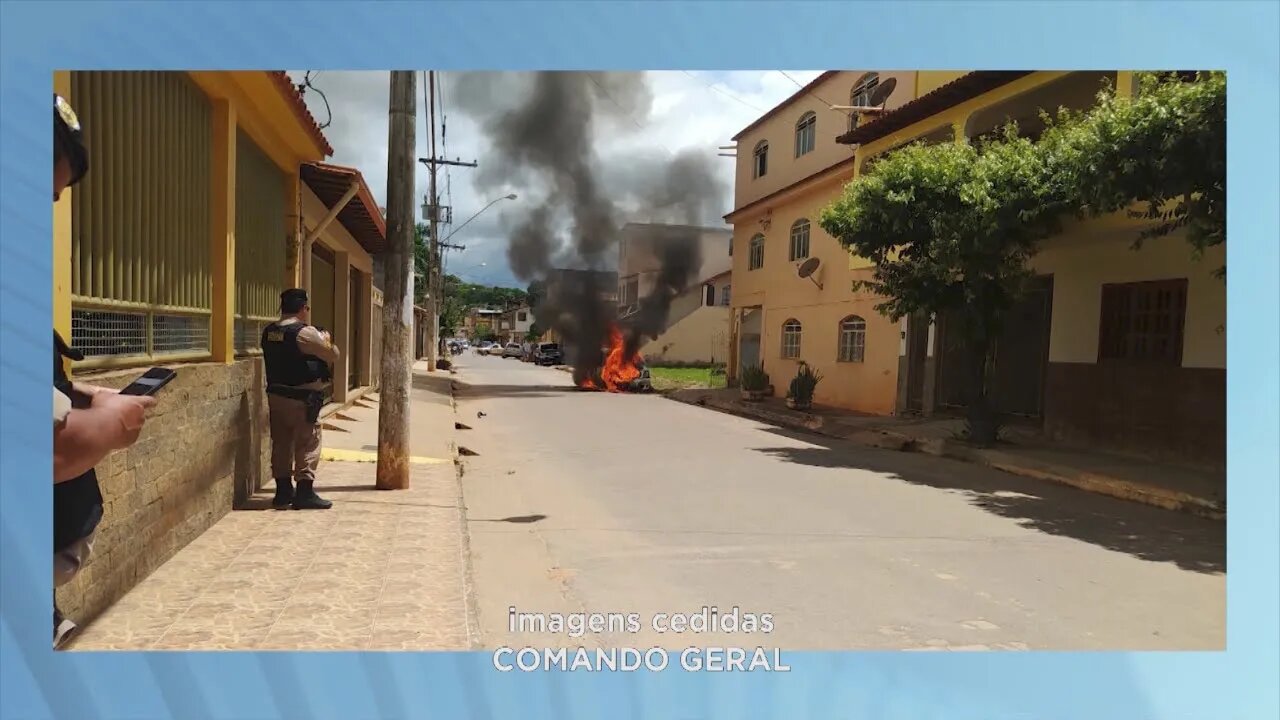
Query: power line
point(725, 93)
point(810, 93)
point(628, 113)
point(305, 85)
point(613, 100)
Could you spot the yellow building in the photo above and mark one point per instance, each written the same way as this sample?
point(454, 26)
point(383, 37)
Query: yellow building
point(206, 198)
point(1115, 348)
point(789, 167)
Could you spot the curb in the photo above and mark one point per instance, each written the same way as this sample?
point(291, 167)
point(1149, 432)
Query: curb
point(994, 459)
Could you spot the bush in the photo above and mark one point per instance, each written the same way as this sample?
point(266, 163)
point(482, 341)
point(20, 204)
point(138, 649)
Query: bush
point(754, 378)
point(804, 384)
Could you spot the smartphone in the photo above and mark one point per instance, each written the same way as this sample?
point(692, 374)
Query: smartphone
point(150, 382)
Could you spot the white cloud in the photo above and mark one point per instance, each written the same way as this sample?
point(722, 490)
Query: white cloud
point(701, 110)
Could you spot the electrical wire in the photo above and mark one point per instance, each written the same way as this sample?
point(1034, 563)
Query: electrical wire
point(810, 93)
point(306, 85)
point(725, 93)
point(628, 113)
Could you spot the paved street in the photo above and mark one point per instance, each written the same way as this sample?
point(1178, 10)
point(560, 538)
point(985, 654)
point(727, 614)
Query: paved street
point(591, 502)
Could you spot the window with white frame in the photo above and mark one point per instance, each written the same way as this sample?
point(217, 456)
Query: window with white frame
point(724, 296)
point(806, 133)
point(760, 159)
point(860, 96)
point(791, 339)
point(755, 261)
point(800, 239)
point(853, 339)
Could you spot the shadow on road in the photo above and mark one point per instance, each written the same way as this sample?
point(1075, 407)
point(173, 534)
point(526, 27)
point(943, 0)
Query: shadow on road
point(517, 520)
point(472, 392)
point(1142, 531)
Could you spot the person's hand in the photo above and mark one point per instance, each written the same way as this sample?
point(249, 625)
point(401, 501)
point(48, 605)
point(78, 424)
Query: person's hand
point(130, 411)
point(92, 390)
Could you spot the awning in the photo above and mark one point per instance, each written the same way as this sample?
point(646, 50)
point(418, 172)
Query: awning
point(361, 216)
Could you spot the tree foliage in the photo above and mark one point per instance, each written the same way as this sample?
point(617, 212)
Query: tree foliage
point(1164, 148)
point(950, 227)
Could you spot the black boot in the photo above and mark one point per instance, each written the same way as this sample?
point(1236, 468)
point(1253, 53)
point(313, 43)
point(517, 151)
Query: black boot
point(284, 494)
point(307, 499)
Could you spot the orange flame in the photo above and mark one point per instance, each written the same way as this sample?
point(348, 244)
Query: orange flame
point(618, 370)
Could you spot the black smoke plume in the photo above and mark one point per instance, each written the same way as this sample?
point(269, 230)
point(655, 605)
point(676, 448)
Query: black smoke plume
point(543, 131)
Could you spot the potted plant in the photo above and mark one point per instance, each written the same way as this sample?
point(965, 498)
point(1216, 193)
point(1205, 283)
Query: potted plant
point(800, 394)
point(754, 382)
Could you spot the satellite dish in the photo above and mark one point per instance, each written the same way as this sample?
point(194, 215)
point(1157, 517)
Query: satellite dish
point(882, 92)
point(808, 268)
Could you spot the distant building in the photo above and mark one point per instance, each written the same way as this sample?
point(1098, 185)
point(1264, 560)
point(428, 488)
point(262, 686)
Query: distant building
point(479, 323)
point(516, 323)
point(698, 325)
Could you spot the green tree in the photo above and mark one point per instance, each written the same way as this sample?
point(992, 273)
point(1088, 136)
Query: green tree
point(1164, 148)
point(453, 311)
point(534, 333)
point(950, 228)
point(421, 261)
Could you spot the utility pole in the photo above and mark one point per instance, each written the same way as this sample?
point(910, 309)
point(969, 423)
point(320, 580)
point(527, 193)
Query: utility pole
point(434, 304)
point(397, 310)
point(435, 279)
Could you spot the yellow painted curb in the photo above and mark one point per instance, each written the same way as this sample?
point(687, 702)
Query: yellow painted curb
point(337, 455)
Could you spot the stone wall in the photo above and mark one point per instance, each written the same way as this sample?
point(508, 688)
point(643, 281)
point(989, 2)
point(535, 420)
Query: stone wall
point(203, 450)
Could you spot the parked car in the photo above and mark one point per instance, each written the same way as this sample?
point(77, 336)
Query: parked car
point(548, 354)
point(512, 350)
point(484, 347)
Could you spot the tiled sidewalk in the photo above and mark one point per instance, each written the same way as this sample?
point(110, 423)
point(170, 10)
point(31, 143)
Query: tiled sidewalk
point(381, 570)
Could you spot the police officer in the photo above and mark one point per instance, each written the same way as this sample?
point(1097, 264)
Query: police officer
point(88, 422)
point(297, 357)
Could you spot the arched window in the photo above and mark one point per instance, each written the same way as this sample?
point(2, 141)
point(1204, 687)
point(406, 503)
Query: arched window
point(853, 339)
point(760, 159)
point(800, 239)
point(755, 258)
point(806, 133)
point(860, 96)
point(791, 339)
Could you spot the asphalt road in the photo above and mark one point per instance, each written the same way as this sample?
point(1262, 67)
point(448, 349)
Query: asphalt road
point(581, 502)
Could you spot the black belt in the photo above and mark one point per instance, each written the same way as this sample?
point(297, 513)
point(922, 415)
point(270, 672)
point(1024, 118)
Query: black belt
point(313, 398)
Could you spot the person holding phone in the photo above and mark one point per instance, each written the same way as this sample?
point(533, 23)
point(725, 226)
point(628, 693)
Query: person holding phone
point(89, 422)
point(297, 357)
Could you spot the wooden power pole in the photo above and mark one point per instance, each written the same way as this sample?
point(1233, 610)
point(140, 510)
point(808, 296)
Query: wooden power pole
point(397, 310)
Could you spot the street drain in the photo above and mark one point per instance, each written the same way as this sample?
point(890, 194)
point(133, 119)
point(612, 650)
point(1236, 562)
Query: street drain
point(467, 451)
point(460, 426)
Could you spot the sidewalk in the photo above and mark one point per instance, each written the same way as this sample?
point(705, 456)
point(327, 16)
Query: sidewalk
point(381, 570)
point(1172, 487)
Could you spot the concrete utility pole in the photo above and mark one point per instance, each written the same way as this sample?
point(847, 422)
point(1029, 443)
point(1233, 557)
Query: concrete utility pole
point(397, 310)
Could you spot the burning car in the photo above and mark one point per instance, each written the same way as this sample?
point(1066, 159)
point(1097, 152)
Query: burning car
point(619, 370)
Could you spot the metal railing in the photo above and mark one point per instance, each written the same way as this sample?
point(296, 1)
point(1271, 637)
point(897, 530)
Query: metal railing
point(140, 279)
point(262, 240)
